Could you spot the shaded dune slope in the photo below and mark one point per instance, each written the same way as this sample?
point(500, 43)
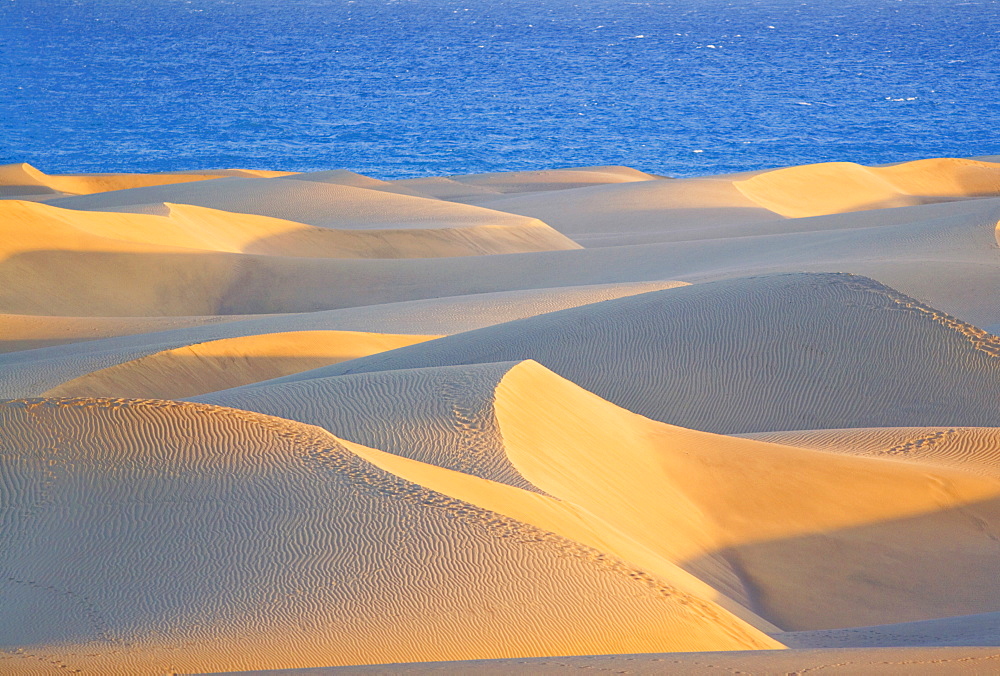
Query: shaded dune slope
point(315, 203)
point(442, 416)
point(255, 542)
point(477, 187)
point(755, 354)
point(31, 332)
point(625, 213)
point(29, 374)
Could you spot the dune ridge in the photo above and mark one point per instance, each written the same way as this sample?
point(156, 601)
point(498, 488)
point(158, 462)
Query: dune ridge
point(228, 362)
point(836, 187)
point(24, 179)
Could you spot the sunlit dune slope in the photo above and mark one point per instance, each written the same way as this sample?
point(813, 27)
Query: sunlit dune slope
point(835, 187)
point(799, 351)
point(973, 449)
point(757, 521)
point(229, 362)
point(778, 517)
point(24, 179)
point(147, 536)
point(845, 662)
point(30, 226)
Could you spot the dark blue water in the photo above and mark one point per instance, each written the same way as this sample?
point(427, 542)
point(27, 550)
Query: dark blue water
point(412, 87)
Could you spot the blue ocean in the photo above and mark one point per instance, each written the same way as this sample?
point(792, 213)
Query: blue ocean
point(399, 88)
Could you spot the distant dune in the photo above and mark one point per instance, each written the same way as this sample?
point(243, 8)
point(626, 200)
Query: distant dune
point(580, 418)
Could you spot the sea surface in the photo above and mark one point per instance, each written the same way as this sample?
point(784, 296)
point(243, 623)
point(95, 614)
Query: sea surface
point(398, 88)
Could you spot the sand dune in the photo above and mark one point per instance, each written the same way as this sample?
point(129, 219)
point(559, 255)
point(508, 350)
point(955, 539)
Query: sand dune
point(30, 332)
point(328, 205)
point(440, 416)
point(24, 179)
point(559, 416)
point(31, 374)
point(202, 527)
point(778, 518)
point(229, 362)
point(756, 354)
point(59, 261)
point(473, 187)
point(714, 207)
point(202, 229)
point(344, 177)
point(622, 213)
point(835, 187)
point(681, 494)
point(942, 254)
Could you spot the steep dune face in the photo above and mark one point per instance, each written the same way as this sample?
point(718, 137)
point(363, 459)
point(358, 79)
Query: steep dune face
point(229, 362)
point(836, 187)
point(756, 354)
point(254, 542)
point(779, 517)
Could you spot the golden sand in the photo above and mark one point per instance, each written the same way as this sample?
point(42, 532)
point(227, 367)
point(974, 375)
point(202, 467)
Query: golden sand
point(253, 421)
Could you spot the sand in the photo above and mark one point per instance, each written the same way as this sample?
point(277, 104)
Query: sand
point(578, 418)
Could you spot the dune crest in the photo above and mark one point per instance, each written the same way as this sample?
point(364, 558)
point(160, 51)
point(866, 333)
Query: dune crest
point(750, 509)
point(837, 187)
point(229, 362)
point(24, 179)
